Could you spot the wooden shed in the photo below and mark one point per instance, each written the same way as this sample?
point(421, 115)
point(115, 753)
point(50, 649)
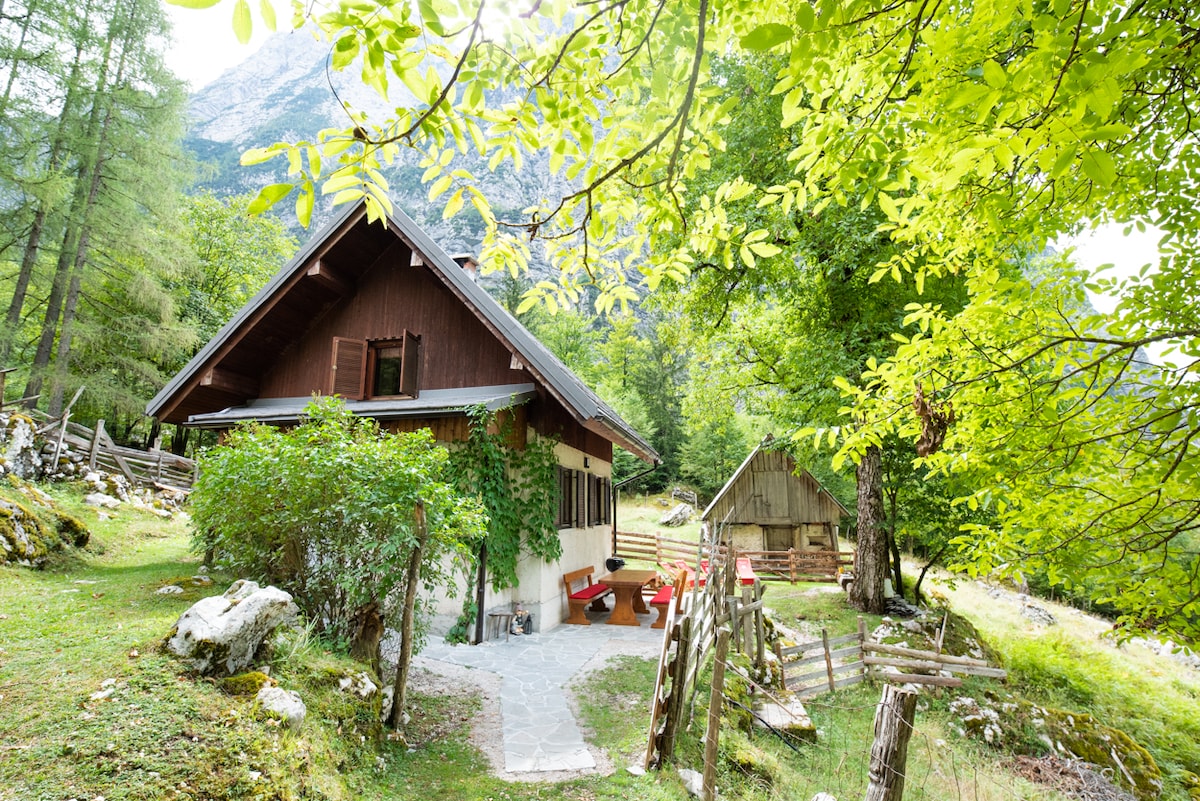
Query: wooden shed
point(770, 504)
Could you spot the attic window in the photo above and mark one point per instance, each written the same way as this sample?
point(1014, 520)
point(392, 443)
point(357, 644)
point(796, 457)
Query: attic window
point(384, 368)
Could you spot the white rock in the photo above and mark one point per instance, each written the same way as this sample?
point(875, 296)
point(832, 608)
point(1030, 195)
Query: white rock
point(102, 500)
point(169, 589)
point(285, 704)
point(693, 782)
point(360, 684)
point(823, 797)
point(223, 632)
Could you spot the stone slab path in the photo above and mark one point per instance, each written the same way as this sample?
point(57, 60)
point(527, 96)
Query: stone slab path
point(540, 730)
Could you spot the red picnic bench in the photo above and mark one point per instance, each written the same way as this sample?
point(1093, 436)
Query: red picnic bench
point(745, 572)
point(587, 593)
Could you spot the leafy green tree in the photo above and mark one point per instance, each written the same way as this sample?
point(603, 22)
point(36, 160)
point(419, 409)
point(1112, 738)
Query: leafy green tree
point(332, 511)
point(713, 451)
point(979, 131)
point(236, 254)
point(94, 207)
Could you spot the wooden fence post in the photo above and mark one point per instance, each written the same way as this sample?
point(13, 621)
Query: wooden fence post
point(97, 435)
point(760, 628)
point(715, 704)
point(862, 644)
point(889, 753)
point(828, 659)
point(792, 564)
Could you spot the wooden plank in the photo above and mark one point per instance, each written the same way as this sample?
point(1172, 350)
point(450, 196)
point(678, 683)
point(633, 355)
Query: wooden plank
point(916, 664)
point(912, 678)
point(838, 653)
point(818, 689)
point(897, 650)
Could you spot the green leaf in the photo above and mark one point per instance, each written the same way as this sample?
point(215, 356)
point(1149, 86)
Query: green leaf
point(193, 3)
point(268, 14)
point(258, 155)
point(764, 37)
point(806, 18)
point(994, 75)
point(304, 205)
point(268, 196)
point(1099, 167)
point(453, 205)
point(242, 25)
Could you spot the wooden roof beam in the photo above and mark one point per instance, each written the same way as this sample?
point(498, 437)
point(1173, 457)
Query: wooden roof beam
point(327, 277)
point(224, 380)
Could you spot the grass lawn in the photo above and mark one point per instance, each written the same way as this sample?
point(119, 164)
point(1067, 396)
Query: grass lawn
point(90, 706)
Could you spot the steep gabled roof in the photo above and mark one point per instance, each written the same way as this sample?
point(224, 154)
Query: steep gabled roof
point(745, 465)
point(286, 301)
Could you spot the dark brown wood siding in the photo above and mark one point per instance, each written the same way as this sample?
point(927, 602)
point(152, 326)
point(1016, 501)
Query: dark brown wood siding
point(393, 297)
point(550, 419)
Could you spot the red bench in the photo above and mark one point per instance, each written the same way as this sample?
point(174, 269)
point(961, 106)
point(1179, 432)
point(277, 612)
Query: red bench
point(587, 593)
point(662, 599)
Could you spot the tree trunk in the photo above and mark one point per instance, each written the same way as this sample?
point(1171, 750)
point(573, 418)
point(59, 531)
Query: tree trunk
point(480, 591)
point(866, 593)
point(889, 754)
point(932, 561)
point(58, 149)
point(411, 582)
point(82, 200)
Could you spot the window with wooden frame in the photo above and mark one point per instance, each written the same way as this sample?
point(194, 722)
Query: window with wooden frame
point(566, 497)
point(377, 368)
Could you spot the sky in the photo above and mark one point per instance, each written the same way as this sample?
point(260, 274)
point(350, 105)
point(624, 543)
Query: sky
point(205, 45)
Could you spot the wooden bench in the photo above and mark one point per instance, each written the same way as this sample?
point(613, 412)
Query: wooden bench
point(662, 599)
point(581, 592)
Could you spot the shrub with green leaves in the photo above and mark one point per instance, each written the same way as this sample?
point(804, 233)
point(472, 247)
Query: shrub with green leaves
point(326, 511)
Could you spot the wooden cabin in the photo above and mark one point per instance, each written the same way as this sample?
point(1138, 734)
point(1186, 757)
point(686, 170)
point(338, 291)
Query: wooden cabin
point(770, 504)
point(380, 315)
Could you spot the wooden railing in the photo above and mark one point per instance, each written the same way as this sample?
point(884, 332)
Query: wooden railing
point(653, 548)
point(148, 468)
point(809, 668)
point(790, 565)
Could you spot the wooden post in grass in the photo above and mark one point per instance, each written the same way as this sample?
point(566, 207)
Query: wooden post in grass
point(406, 621)
point(893, 726)
point(715, 704)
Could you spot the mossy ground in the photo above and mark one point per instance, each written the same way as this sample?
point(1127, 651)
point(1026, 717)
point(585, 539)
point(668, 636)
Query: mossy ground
point(91, 706)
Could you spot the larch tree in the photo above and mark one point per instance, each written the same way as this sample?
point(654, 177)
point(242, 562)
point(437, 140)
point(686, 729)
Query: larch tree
point(980, 131)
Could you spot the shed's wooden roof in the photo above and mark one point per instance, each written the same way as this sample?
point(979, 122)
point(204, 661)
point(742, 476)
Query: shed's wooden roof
point(725, 497)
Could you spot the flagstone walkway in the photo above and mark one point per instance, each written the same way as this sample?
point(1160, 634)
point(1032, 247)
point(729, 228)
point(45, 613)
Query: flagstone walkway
point(540, 730)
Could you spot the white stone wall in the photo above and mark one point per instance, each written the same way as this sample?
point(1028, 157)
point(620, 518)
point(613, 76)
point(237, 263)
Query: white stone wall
point(540, 588)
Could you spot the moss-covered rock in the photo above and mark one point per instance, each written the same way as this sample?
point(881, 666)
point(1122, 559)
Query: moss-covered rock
point(1191, 783)
point(747, 759)
point(737, 690)
point(248, 683)
point(24, 538)
point(1026, 728)
point(71, 529)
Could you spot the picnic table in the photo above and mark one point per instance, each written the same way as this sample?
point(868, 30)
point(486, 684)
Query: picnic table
point(626, 585)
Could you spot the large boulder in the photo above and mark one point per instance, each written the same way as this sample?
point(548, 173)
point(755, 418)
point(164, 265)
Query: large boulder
point(222, 633)
point(677, 516)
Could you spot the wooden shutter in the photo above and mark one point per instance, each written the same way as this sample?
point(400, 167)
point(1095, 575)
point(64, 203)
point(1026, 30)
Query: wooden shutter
point(410, 365)
point(564, 497)
point(349, 368)
point(580, 498)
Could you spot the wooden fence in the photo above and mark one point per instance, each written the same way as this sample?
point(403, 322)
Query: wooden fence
point(721, 604)
point(860, 658)
point(790, 565)
point(155, 468)
point(653, 548)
